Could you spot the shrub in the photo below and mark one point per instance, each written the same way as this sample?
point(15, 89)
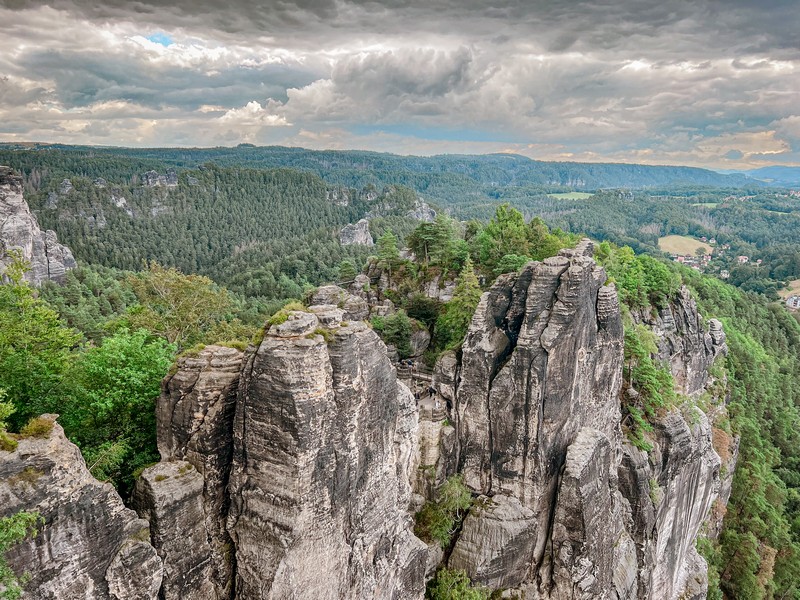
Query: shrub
point(438, 520)
point(38, 427)
point(451, 584)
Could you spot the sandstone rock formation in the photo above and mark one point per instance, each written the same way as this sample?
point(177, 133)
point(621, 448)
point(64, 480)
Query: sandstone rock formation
point(20, 230)
point(569, 508)
point(195, 424)
point(90, 547)
point(322, 460)
point(356, 233)
point(291, 470)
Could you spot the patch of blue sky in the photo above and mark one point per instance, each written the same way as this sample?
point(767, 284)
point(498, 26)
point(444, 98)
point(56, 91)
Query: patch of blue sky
point(161, 38)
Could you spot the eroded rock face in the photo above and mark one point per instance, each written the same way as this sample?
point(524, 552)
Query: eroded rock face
point(90, 547)
point(195, 424)
point(324, 438)
point(537, 412)
point(356, 233)
point(20, 230)
point(170, 496)
point(532, 378)
point(684, 343)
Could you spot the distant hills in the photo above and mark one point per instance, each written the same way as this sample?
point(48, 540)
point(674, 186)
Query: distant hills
point(443, 177)
point(776, 175)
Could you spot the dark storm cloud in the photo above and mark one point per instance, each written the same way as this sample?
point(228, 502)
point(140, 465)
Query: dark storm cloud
point(672, 81)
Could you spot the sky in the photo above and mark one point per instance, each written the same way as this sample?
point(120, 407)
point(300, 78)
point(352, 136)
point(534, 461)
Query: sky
point(713, 84)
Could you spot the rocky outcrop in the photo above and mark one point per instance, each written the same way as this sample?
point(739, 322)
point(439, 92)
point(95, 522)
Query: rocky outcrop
point(356, 234)
point(19, 230)
point(170, 496)
point(319, 486)
point(90, 547)
point(567, 507)
point(291, 470)
point(684, 342)
point(155, 179)
point(195, 424)
point(422, 212)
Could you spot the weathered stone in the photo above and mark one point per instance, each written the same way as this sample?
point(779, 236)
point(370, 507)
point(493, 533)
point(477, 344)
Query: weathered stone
point(422, 212)
point(170, 496)
point(496, 542)
point(520, 404)
point(420, 340)
point(90, 547)
point(319, 486)
point(683, 342)
point(585, 532)
point(356, 234)
point(195, 424)
point(298, 323)
point(329, 315)
point(19, 230)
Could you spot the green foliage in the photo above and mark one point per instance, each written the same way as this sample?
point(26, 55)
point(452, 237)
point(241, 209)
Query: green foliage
point(452, 324)
point(110, 412)
point(183, 309)
point(439, 520)
point(387, 248)
point(641, 280)
point(35, 348)
point(37, 427)
point(760, 544)
point(510, 263)
point(347, 270)
point(710, 551)
point(7, 443)
point(653, 383)
point(506, 243)
point(395, 329)
point(13, 530)
point(450, 584)
point(439, 244)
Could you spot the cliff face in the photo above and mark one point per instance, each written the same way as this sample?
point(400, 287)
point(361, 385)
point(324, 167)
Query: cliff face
point(20, 230)
point(568, 507)
point(90, 547)
point(290, 470)
point(323, 446)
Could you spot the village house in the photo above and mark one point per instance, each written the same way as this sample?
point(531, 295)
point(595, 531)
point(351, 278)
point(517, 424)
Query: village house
point(793, 302)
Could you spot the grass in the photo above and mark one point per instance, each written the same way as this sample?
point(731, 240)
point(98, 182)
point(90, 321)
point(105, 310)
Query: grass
point(681, 244)
point(571, 195)
point(791, 289)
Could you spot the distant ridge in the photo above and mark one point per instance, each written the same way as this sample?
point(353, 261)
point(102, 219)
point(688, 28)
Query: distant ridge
point(350, 166)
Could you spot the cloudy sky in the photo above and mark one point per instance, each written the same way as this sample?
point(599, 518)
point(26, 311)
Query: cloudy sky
point(713, 84)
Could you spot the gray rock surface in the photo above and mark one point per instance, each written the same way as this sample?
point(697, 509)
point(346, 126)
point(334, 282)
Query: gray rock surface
point(170, 496)
point(20, 230)
point(195, 424)
point(422, 212)
point(496, 542)
point(90, 547)
point(319, 485)
point(356, 233)
point(531, 381)
point(684, 343)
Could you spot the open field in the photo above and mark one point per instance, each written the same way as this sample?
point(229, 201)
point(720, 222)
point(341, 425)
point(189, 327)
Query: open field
point(681, 244)
point(792, 289)
point(571, 195)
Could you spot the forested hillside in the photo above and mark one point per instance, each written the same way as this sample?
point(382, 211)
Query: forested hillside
point(264, 233)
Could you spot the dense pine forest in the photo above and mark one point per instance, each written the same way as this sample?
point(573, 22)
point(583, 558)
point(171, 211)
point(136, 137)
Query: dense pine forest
point(166, 267)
